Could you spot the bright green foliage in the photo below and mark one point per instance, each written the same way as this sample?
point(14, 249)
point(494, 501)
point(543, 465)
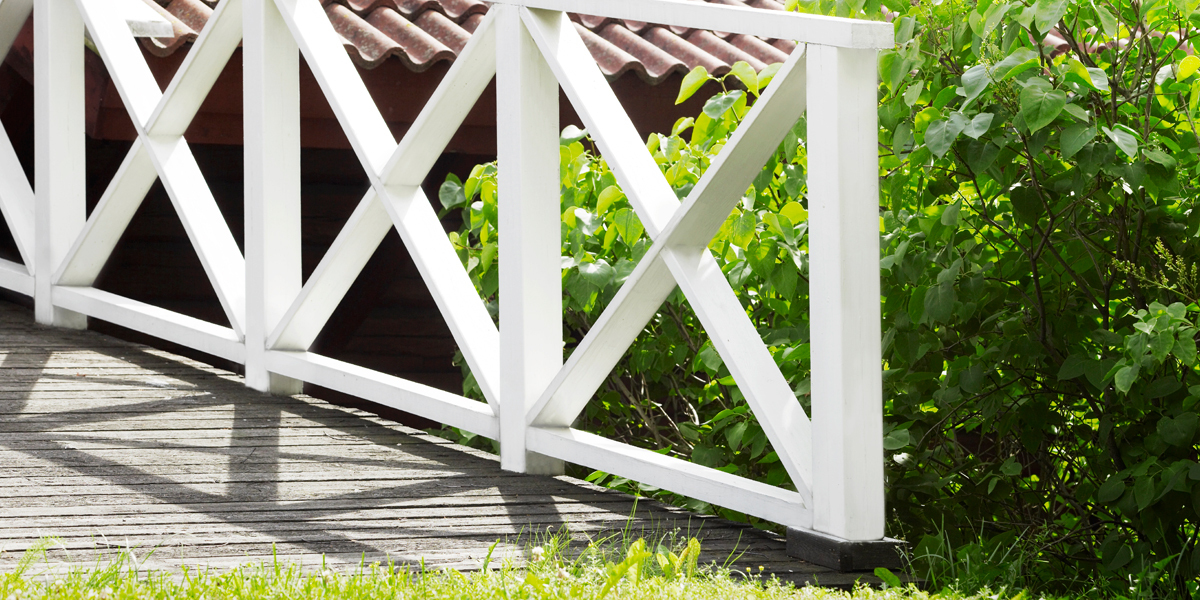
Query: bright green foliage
point(1039, 289)
point(554, 571)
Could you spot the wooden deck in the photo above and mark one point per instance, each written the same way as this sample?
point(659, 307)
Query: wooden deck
point(107, 445)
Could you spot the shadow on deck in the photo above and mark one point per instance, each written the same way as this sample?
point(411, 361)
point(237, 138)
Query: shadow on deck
point(109, 445)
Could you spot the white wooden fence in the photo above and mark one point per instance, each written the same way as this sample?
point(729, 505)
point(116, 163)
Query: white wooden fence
point(530, 46)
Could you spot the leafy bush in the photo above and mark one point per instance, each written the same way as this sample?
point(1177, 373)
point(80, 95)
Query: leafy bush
point(1038, 165)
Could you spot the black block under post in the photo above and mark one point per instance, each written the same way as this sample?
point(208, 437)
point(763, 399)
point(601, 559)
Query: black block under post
point(844, 555)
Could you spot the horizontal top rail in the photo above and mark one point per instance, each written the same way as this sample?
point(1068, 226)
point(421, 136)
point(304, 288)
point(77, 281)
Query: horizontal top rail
point(803, 28)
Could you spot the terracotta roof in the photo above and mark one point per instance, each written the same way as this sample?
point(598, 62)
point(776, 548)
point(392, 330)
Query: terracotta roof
point(422, 33)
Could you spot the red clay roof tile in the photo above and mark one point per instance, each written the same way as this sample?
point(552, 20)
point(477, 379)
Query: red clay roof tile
point(422, 33)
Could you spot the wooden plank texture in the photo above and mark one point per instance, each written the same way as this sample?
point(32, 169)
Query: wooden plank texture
point(108, 445)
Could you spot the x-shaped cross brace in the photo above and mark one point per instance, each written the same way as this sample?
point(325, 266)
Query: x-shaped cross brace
point(679, 254)
point(161, 151)
point(395, 198)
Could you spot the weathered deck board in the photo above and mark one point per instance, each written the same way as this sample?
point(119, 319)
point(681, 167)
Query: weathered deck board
point(108, 445)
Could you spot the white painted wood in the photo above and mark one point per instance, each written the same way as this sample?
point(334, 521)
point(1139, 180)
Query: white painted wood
point(741, 347)
point(703, 483)
point(15, 277)
point(141, 19)
point(271, 98)
point(446, 109)
point(847, 385)
point(158, 322)
point(428, 402)
point(199, 71)
point(410, 211)
point(123, 58)
point(205, 226)
point(61, 183)
point(329, 282)
point(690, 226)
point(451, 288)
point(109, 219)
point(16, 198)
point(344, 89)
point(814, 29)
point(605, 119)
point(531, 343)
point(13, 14)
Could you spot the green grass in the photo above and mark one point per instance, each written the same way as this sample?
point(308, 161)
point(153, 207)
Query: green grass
point(632, 571)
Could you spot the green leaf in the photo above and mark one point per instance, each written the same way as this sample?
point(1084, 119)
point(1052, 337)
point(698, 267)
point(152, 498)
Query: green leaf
point(978, 125)
point(1161, 157)
point(1123, 138)
point(1107, 21)
point(888, 577)
point(939, 303)
point(950, 215)
point(902, 141)
point(743, 229)
point(897, 439)
point(1074, 137)
point(1179, 431)
point(1187, 67)
point(718, 105)
point(710, 358)
point(628, 225)
point(1111, 490)
point(693, 81)
point(734, 434)
point(1072, 367)
point(571, 134)
point(794, 212)
point(1160, 346)
point(598, 273)
point(1040, 104)
point(451, 194)
point(587, 222)
point(745, 74)
point(1015, 63)
point(1185, 349)
point(767, 75)
point(1011, 467)
point(607, 197)
point(1047, 13)
point(1125, 377)
point(940, 134)
point(1143, 491)
point(762, 258)
point(913, 93)
point(974, 81)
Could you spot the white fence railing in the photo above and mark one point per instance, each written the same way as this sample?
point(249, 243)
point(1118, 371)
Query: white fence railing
point(531, 48)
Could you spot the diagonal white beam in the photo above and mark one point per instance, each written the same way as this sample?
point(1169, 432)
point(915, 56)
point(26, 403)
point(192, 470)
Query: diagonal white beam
point(13, 14)
point(741, 347)
point(130, 73)
point(682, 248)
point(407, 208)
point(16, 199)
point(451, 288)
point(334, 275)
point(446, 110)
point(109, 219)
point(204, 223)
point(606, 120)
point(347, 94)
point(199, 71)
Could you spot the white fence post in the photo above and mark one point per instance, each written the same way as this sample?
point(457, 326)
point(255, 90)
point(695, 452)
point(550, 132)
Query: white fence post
point(847, 388)
point(271, 97)
point(60, 183)
point(531, 344)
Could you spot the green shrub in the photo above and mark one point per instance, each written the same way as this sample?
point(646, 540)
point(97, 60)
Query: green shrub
point(1039, 288)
